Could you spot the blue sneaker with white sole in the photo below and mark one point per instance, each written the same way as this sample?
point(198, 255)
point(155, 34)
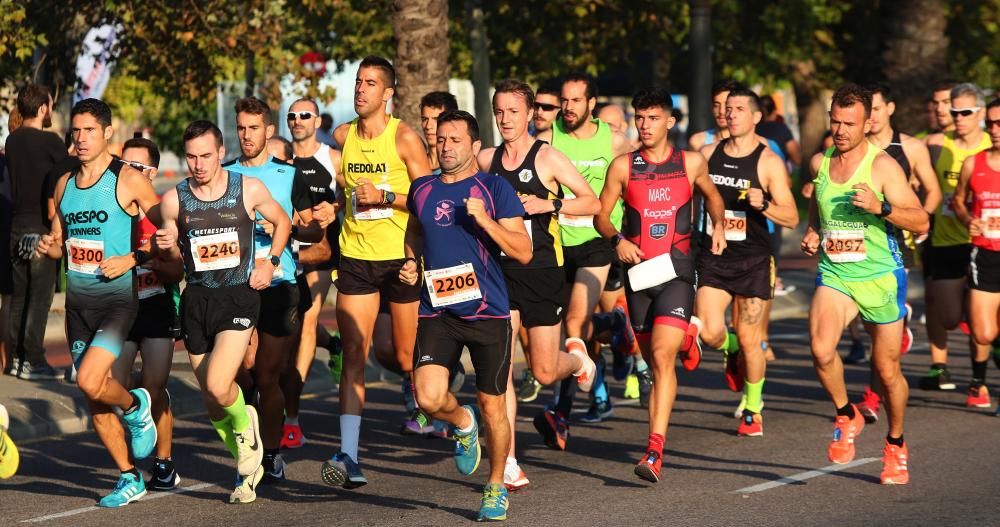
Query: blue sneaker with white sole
point(141, 426)
point(128, 489)
point(467, 451)
point(493, 506)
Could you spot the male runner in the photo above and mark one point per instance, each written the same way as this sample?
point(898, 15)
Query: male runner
point(753, 183)
point(656, 184)
point(591, 146)
point(460, 224)
point(279, 324)
point(547, 106)
point(432, 105)
point(10, 458)
point(381, 157)
point(861, 197)
point(946, 255)
point(720, 92)
point(941, 104)
point(979, 183)
point(96, 209)
point(157, 322)
point(211, 215)
point(316, 162)
point(915, 160)
point(537, 289)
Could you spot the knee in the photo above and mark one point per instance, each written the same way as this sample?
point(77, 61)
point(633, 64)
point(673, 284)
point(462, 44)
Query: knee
point(749, 343)
point(663, 358)
point(431, 400)
point(545, 374)
point(888, 371)
point(91, 384)
point(218, 391)
point(824, 359)
point(713, 334)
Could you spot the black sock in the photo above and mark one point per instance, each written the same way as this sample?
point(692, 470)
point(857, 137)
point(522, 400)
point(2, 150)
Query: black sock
point(978, 373)
point(898, 441)
point(604, 322)
point(939, 366)
point(847, 410)
point(567, 390)
point(134, 405)
point(134, 472)
point(270, 452)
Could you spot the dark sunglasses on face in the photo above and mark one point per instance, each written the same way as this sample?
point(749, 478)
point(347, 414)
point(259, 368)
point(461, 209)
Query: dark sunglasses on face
point(964, 112)
point(303, 116)
point(546, 107)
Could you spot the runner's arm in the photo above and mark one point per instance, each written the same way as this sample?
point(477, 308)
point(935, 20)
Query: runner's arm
point(585, 203)
point(920, 157)
point(906, 210)
point(259, 199)
point(307, 229)
point(165, 240)
point(774, 178)
point(505, 224)
point(962, 194)
point(411, 151)
point(697, 167)
point(51, 245)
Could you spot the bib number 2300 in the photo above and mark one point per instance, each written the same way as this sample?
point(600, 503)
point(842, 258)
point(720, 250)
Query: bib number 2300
point(452, 285)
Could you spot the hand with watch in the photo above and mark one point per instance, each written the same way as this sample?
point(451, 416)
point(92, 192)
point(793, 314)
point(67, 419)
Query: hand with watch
point(260, 277)
point(628, 252)
point(409, 273)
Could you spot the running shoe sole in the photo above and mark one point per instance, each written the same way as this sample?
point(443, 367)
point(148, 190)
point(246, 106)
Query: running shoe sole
point(644, 471)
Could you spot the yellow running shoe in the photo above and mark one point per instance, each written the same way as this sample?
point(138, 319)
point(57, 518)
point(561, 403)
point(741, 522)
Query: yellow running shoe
point(9, 457)
point(632, 386)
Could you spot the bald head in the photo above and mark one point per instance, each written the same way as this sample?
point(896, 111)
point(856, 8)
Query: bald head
point(615, 117)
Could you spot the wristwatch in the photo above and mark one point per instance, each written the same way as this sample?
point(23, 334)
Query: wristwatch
point(275, 260)
point(390, 197)
point(617, 239)
point(765, 205)
point(886, 209)
point(556, 205)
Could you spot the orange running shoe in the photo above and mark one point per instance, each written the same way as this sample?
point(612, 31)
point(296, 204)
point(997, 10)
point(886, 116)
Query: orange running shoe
point(734, 374)
point(895, 468)
point(978, 397)
point(869, 405)
point(841, 448)
point(691, 356)
point(627, 343)
point(751, 425)
point(587, 373)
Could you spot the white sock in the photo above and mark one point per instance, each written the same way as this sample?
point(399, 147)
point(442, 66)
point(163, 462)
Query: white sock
point(511, 461)
point(468, 430)
point(350, 430)
point(293, 421)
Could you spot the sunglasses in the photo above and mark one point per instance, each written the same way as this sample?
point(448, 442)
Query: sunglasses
point(303, 116)
point(964, 112)
point(546, 107)
point(990, 123)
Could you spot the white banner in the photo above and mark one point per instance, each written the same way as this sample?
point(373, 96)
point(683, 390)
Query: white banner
point(93, 66)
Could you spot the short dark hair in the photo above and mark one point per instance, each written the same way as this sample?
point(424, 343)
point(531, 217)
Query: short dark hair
point(651, 97)
point(380, 63)
point(549, 87)
point(767, 105)
point(740, 90)
point(30, 98)
point(588, 80)
point(517, 88)
point(461, 115)
point(286, 145)
point(254, 106)
point(96, 107)
point(142, 142)
point(849, 94)
point(439, 99)
point(723, 85)
point(882, 89)
point(995, 103)
point(201, 127)
point(944, 84)
point(309, 100)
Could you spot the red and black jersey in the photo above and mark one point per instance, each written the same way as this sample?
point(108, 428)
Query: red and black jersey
point(658, 210)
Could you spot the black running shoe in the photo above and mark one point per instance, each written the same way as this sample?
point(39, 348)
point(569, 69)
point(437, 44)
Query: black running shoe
point(163, 475)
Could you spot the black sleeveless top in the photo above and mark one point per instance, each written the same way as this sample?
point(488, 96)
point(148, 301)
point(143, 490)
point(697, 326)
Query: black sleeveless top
point(747, 233)
point(216, 237)
point(895, 149)
point(543, 228)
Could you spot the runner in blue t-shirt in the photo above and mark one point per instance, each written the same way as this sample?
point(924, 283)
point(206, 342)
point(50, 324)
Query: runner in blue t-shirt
point(464, 219)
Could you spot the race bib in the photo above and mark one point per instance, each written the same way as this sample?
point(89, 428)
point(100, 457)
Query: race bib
point(736, 226)
point(216, 251)
point(990, 219)
point(452, 285)
point(371, 212)
point(844, 245)
point(651, 273)
point(149, 283)
point(262, 255)
point(85, 256)
point(947, 198)
point(569, 220)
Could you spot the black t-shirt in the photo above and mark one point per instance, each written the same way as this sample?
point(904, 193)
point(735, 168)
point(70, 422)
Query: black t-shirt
point(31, 156)
point(777, 132)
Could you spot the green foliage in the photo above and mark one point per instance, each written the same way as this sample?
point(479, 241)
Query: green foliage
point(974, 30)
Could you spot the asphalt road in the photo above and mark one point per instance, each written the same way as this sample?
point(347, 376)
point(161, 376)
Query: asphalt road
point(711, 477)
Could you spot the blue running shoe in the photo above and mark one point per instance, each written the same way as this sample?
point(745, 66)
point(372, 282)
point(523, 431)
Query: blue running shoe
point(493, 507)
point(342, 471)
point(467, 451)
point(141, 426)
point(128, 489)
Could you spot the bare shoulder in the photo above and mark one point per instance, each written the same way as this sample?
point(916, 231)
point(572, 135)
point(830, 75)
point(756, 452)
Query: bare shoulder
point(935, 139)
point(707, 150)
point(815, 161)
point(340, 133)
point(405, 134)
point(485, 158)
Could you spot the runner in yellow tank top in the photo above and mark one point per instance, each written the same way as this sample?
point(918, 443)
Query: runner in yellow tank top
point(381, 156)
point(946, 259)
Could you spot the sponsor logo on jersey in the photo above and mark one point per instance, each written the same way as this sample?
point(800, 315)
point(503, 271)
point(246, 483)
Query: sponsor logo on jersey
point(86, 216)
point(656, 214)
point(730, 181)
point(525, 175)
point(658, 194)
point(366, 168)
point(444, 213)
point(657, 230)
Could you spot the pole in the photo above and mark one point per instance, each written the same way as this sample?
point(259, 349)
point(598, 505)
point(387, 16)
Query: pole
point(700, 95)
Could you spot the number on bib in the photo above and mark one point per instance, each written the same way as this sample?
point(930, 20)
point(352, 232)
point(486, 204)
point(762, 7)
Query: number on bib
point(844, 246)
point(736, 226)
point(85, 256)
point(947, 199)
point(990, 219)
point(216, 251)
point(452, 285)
point(149, 283)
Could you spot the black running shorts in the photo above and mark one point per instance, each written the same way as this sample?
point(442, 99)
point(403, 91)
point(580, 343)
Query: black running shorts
point(206, 312)
point(984, 272)
point(946, 263)
point(102, 327)
point(747, 277)
point(540, 295)
point(363, 277)
point(441, 339)
point(595, 253)
point(279, 310)
point(667, 304)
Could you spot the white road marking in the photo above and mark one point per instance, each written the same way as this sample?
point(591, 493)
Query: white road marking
point(81, 510)
point(802, 476)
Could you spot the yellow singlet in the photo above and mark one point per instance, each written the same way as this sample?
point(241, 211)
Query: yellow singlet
point(373, 233)
point(948, 231)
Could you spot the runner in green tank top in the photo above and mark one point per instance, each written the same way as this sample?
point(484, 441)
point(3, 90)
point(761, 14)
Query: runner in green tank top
point(861, 197)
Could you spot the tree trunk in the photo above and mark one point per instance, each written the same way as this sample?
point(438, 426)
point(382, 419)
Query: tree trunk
point(809, 97)
point(479, 46)
point(915, 56)
point(421, 31)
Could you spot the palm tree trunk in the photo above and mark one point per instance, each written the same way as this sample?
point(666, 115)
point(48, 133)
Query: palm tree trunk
point(421, 32)
point(915, 56)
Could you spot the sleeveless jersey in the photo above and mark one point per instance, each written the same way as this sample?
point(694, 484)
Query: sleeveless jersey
point(984, 188)
point(895, 149)
point(319, 174)
point(591, 157)
point(97, 227)
point(369, 232)
point(947, 229)
point(287, 187)
point(658, 210)
point(855, 245)
point(543, 228)
point(216, 237)
point(746, 227)
point(153, 293)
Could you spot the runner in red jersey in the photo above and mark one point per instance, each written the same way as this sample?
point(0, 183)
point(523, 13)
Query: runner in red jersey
point(656, 184)
point(979, 182)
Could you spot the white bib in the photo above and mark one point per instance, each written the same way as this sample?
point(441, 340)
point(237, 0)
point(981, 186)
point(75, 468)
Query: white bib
point(452, 285)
